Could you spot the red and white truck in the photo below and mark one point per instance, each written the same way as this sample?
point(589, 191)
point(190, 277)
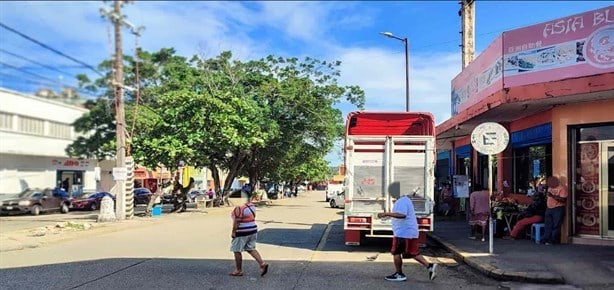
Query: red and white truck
point(387, 155)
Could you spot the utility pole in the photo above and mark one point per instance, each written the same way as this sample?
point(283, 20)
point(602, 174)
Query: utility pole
point(467, 14)
point(120, 123)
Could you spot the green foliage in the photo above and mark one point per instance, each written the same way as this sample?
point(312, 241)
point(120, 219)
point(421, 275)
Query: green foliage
point(271, 118)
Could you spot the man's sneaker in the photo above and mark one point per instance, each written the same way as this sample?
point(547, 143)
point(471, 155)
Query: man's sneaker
point(396, 277)
point(432, 271)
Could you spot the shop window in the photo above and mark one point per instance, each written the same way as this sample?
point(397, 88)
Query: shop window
point(6, 121)
point(531, 164)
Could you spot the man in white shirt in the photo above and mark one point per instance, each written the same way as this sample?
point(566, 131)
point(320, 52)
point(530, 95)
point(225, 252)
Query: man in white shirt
point(405, 240)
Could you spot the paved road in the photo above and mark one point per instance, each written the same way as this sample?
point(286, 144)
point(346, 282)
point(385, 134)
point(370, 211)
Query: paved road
point(301, 238)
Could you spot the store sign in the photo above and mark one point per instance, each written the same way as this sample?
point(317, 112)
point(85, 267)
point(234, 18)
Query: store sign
point(570, 47)
point(120, 173)
point(573, 46)
point(70, 163)
point(483, 77)
point(490, 138)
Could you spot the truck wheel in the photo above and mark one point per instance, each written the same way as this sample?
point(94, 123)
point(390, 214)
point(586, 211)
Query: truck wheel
point(64, 208)
point(333, 204)
point(36, 210)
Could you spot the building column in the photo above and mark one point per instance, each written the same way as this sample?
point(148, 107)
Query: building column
point(505, 166)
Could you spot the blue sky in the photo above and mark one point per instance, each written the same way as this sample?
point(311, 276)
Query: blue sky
point(345, 31)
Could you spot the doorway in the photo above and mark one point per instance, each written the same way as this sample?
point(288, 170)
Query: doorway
point(607, 188)
point(71, 181)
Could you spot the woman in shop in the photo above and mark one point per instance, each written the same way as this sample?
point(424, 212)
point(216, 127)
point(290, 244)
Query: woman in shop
point(446, 199)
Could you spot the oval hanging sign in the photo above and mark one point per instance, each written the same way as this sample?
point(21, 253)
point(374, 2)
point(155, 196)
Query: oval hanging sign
point(490, 138)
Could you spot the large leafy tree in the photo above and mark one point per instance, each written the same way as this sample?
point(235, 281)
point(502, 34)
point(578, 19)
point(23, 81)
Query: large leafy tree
point(271, 118)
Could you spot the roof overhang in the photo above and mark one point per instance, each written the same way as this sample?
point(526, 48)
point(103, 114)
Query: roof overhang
point(511, 104)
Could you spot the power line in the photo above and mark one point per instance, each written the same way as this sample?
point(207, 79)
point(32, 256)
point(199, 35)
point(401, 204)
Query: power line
point(50, 48)
point(24, 80)
point(35, 62)
point(55, 82)
point(25, 71)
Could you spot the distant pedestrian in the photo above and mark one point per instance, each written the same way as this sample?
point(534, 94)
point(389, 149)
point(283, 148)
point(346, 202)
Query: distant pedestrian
point(247, 188)
point(66, 184)
point(446, 199)
point(405, 238)
point(555, 211)
point(244, 235)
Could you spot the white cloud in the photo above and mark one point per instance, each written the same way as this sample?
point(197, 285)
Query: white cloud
point(381, 74)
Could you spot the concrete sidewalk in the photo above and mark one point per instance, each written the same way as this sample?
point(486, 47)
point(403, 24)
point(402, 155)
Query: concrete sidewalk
point(526, 261)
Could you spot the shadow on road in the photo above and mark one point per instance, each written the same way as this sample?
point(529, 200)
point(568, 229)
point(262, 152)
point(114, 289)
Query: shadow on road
point(202, 273)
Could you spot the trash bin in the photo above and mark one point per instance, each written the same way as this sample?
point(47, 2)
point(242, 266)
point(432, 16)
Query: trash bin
point(156, 211)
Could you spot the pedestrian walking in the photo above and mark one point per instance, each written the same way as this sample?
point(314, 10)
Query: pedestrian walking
point(405, 238)
point(244, 235)
point(555, 211)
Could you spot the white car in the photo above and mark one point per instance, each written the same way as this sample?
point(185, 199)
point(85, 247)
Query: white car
point(332, 190)
point(338, 201)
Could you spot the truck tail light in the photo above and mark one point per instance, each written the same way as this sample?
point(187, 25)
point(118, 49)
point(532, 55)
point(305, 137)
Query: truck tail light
point(424, 223)
point(362, 220)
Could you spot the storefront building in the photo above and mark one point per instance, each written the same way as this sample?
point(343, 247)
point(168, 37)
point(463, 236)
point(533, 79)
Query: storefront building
point(552, 86)
point(34, 133)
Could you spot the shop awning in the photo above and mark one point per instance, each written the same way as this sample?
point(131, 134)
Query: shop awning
point(444, 155)
point(142, 173)
point(463, 151)
point(537, 135)
point(338, 178)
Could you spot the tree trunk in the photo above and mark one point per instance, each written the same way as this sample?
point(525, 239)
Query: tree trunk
point(216, 177)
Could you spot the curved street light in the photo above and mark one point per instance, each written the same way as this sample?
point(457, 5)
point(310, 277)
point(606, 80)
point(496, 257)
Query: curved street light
point(404, 39)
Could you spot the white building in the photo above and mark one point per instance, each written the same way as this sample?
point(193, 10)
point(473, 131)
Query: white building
point(34, 133)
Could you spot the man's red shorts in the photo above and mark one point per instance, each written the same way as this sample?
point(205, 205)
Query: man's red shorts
point(408, 248)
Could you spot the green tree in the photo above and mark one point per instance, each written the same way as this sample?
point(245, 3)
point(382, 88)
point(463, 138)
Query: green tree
point(271, 118)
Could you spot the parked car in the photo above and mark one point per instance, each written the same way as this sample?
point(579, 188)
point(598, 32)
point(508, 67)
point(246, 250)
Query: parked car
point(36, 201)
point(196, 193)
point(141, 195)
point(89, 201)
point(338, 201)
point(332, 190)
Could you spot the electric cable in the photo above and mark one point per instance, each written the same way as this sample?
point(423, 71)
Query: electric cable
point(50, 48)
point(35, 62)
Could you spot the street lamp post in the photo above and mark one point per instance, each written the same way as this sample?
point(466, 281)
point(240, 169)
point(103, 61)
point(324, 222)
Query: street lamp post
point(404, 39)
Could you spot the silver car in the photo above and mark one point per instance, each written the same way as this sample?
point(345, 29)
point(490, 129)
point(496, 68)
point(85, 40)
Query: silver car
point(338, 200)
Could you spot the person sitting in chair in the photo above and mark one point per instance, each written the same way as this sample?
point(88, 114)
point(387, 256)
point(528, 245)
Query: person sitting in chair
point(533, 214)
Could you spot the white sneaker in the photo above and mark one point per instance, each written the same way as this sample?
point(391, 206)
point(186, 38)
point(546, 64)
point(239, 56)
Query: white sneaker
point(432, 271)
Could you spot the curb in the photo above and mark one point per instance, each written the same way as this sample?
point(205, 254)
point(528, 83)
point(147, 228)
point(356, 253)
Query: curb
point(500, 274)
